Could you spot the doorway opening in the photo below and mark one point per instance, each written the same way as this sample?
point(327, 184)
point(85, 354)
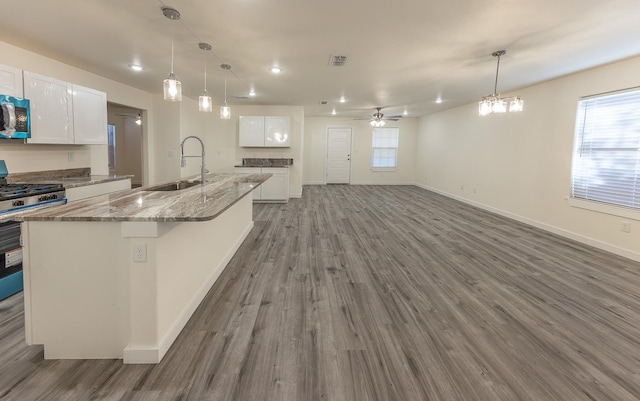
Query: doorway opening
point(338, 156)
point(126, 151)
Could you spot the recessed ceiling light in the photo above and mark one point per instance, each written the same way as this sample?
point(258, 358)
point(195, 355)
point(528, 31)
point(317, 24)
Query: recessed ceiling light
point(136, 67)
point(405, 113)
point(333, 113)
point(276, 70)
point(438, 100)
point(252, 93)
point(342, 99)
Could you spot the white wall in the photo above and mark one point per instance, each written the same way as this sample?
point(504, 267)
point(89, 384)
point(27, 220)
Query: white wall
point(22, 157)
point(519, 164)
point(315, 149)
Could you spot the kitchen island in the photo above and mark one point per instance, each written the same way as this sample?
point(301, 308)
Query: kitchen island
point(119, 275)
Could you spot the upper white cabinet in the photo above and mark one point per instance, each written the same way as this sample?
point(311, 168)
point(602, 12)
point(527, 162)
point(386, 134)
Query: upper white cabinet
point(89, 116)
point(51, 108)
point(11, 81)
point(64, 113)
point(277, 131)
point(251, 131)
point(261, 131)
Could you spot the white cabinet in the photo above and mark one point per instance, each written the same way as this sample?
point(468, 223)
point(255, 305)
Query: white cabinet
point(251, 130)
point(64, 113)
point(277, 131)
point(88, 191)
point(89, 116)
point(11, 81)
point(261, 131)
point(51, 108)
point(275, 189)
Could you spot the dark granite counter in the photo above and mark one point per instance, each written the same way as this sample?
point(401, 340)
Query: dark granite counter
point(197, 203)
point(70, 178)
point(265, 162)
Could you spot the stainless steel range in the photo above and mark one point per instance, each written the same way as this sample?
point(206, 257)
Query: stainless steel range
point(16, 198)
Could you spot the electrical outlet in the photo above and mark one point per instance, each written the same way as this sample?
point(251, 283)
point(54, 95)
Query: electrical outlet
point(71, 156)
point(474, 190)
point(140, 253)
point(462, 187)
point(170, 153)
point(625, 227)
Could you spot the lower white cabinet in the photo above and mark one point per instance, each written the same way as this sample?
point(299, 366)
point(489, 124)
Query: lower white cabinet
point(275, 189)
point(87, 191)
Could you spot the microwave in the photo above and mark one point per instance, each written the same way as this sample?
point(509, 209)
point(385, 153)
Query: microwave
point(15, 117)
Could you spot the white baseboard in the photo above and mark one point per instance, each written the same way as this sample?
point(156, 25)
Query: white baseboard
point(314, 183)
point(380, 183)
point(543, 226)
point(147, 355)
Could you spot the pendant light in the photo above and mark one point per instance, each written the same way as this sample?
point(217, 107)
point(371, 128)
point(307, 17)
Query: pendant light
point(204, 102)
point(225, 111)
point(494, 103)
point(172, 87)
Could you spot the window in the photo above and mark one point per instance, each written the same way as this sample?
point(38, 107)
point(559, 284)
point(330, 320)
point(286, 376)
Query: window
point(384, 154)
point(606, 158)
point(111, 141)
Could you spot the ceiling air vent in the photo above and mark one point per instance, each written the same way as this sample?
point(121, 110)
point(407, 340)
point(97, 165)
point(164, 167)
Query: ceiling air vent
point(337, 61)
point(323, 102)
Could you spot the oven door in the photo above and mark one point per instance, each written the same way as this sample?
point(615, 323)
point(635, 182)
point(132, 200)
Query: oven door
point(10, 259)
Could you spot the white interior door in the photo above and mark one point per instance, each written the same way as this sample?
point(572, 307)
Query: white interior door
point(338, 155)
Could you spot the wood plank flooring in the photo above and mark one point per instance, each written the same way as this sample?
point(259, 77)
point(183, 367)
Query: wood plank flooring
point(379, 293)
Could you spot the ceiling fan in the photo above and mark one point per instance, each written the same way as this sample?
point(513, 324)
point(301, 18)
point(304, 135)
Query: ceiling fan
point(378, 119)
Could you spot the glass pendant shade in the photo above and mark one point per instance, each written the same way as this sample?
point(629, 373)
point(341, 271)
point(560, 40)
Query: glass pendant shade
point(172, 89)
point(516, 104)
point(484, 108)
point(204, 103)
point(377, 123)
point(225, 112)
point(494, 103)
point(499, 106)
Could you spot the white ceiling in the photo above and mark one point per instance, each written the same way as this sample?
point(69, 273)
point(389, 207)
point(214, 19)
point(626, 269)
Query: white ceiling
point(402, 54)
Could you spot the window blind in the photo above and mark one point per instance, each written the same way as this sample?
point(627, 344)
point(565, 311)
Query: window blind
point(384, 144)
point(606, 159)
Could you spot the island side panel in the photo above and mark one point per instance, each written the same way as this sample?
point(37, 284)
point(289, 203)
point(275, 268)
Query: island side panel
point(76, 289)
point(186, 258)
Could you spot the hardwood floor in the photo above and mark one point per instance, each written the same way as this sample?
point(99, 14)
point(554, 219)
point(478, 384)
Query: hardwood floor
point(379, 293)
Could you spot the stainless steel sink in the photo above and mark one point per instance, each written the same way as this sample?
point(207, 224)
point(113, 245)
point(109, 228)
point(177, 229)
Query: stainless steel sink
point(174, 186)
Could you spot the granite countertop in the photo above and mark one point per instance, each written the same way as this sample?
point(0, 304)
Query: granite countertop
point(70, 178)
point(265, 162)
point(197, 203)
point(259, 166)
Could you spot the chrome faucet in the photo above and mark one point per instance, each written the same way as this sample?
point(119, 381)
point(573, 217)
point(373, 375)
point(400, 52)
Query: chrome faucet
point(183, 158)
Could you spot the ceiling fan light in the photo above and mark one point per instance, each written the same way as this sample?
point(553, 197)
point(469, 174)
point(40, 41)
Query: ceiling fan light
point(516, 104)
